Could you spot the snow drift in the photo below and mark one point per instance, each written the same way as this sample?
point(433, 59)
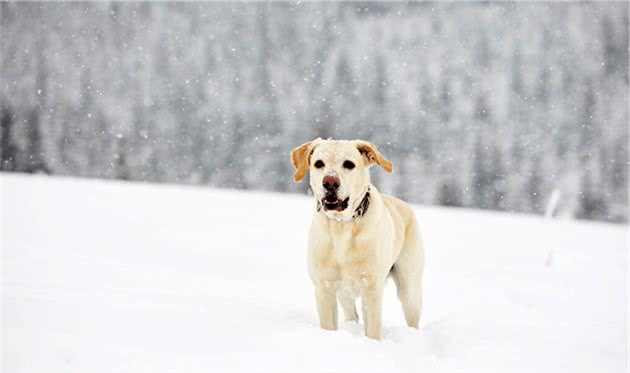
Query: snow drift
point(106, 276)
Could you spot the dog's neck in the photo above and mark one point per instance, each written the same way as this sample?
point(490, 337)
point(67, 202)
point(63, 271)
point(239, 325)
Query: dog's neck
point(359, 211)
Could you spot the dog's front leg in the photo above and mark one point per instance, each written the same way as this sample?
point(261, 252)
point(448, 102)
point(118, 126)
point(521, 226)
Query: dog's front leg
point(326, 296)
point(372, 302)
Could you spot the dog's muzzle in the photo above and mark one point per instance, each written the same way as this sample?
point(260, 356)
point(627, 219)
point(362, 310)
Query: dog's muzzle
point(332, 203)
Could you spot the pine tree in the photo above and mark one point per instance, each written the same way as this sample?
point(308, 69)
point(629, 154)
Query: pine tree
point(8, 150)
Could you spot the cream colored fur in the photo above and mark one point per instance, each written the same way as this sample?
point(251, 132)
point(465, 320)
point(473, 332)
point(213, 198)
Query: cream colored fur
point(350, 258)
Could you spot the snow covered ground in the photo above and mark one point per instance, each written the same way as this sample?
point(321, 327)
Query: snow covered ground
point(110, 276)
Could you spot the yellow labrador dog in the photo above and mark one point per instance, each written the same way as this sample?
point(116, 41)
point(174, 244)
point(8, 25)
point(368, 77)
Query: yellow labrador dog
point(358, 236)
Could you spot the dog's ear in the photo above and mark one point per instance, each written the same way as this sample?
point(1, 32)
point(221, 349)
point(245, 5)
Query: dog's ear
point(373, 156)
point(301, 159)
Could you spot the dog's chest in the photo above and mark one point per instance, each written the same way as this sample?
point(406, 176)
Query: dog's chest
point(352, 259)
point(341, 252)
point(342, 244)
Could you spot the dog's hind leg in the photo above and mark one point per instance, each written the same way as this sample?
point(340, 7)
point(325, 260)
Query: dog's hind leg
point(349, 309)
point(410, 295)
point(407, 274)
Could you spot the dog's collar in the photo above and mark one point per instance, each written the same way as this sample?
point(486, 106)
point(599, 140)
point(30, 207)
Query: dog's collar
point(360, 211)
point(363, 205)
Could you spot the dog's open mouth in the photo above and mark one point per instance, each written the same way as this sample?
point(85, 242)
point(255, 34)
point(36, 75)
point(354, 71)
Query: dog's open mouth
point(332, 203)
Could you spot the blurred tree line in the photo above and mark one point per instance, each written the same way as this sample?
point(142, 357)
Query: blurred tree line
point(487, 105)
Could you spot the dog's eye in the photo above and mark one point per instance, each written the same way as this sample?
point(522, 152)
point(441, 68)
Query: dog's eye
point(348, 164)
point(319, 164)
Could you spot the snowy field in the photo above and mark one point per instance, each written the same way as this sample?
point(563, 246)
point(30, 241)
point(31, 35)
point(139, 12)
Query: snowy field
point(109, 276)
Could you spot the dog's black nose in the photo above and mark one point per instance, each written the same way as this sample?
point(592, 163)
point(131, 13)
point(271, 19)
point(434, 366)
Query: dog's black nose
point(331, 183)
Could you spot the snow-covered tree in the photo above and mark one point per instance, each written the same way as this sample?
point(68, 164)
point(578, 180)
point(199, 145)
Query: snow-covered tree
point(489, 105)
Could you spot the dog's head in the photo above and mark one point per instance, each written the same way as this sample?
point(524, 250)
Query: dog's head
point(339, 172)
